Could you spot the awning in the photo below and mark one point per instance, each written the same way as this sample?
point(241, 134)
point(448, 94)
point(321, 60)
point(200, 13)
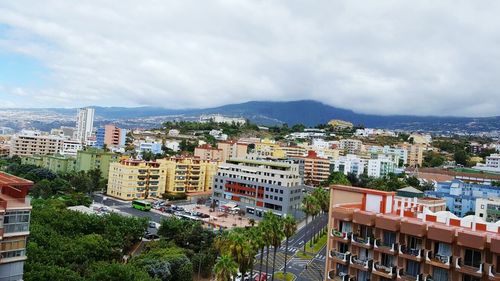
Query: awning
point(229, 205)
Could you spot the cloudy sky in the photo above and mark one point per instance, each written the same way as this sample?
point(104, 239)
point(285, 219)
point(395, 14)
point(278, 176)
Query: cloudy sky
point(385, 57)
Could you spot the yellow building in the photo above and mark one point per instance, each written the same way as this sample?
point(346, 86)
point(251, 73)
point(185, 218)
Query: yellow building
point(340, 124)
point(136, 179)
point(415, 154)
point(269, 149)
point(188, 174)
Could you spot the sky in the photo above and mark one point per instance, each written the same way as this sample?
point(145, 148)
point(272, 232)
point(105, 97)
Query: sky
point(380, 57)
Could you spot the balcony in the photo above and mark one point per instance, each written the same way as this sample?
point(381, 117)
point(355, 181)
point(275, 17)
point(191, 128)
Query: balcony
point(428, 278)
point(383, 270)
point(341, 236)
point(339, 276)
point(365, 242)
point(403, 275)
point(438, 260)
point(361, 264)
point(492, 274)
point(385, 247)
point(339, 256)
point(407, 252)
point(465, 268)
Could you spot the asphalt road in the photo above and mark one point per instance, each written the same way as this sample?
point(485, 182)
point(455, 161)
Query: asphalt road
point(305, 270)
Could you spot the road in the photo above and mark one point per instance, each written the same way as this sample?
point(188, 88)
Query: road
point(305, 270)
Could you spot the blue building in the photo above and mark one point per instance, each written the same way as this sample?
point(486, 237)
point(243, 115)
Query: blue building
point(99, 137)
point(461, 196)
point(153, 147)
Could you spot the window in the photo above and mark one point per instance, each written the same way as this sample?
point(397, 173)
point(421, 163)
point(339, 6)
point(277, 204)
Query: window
point(472, 258)
point(389, 237)
point(13, 248)
point(470, 278)
point(412, 268)
point(343, 247)
point(414, 243)
point(16, 221)
point(387, 260)
point(439, 274)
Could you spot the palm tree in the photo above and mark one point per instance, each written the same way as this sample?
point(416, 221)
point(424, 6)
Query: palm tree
point(308, 206)
point(276, 236)
point(262, 243)
point(289, 229)
point(323, 197)
point(314, 212)
point(225, 268)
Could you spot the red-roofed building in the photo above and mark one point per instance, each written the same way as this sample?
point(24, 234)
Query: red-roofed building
point(316, 169)
point(372, 236)
point(15, 210)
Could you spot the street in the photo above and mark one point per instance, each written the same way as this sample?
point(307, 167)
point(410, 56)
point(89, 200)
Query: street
point(305, 270)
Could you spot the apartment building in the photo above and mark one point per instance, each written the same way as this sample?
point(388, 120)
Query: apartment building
point(35, 143)
point(110, 135)
point(461, 196)
point(257, 186)
point(136, 179)
point(370, 239)
point(492, 164)
point(380, 167)
point(398, 155)
point(349, 164)
point(316, 169)
point(14, 231)
point(488, 209)
point(208, 153)
point(54, 163)
point(232, 149)
point(350, 146)
point(269, 149)
point(188, 174)
point(149, 146)
point(415, 154)
point(294, 151)
point(84, 124)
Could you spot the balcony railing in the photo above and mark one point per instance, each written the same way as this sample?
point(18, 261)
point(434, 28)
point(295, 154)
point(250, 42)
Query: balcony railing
point(403, 249)
point(428, 278)
point(341, 256)
point(339, 234)
point(382, 245)
point(361, 240)
point(390, 270)
point(459, 264)
point(430, 256)
point(492, 272)
point(339, 276)
point(362, 262)
point(407, 276)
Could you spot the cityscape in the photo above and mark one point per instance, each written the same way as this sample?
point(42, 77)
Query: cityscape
point(249, 141)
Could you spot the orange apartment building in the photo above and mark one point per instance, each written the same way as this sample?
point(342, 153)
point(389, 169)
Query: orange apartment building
point(208, 153)
point(373, 236)
point(15, 211)
point(224, 151)
point(316, 169)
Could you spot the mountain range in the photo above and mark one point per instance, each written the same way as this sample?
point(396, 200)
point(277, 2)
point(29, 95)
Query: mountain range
point(306, 112)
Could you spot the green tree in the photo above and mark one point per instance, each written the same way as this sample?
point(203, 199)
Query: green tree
point(117, 272)
point(461, 157)
point(289, 229)
point(337, 178)
point(413, 181)
point(225, 268)
point(309, 207)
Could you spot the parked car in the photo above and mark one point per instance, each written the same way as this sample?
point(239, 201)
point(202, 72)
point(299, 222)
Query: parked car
point(262, 277)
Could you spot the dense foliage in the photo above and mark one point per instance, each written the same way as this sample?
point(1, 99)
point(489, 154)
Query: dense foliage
point(66, 244)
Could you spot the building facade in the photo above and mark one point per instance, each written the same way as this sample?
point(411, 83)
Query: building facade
point(369, 240)
point(488, 209)
point(209, 153)
point(136, 179)
point(351, 146)
point(84, 124)
point(461, 196)
point(15, 210)
point(29, 143)
point(188, 174)
point(379, 167)
point(110, 135)
point(259, 186)
point(349, 164)
point(232, 149)
point(316, 169)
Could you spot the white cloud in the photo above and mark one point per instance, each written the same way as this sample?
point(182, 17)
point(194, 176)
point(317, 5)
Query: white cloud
point(388, 57)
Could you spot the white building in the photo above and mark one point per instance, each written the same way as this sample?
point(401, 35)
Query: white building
point(173, 132)
point(218, 135)
point(84, 124)
point(217, 118)
point(488, 209)
point(174, 145)
point(379, 167)
point(350, 164)
point(492, 164)
point(396, 154)
point(70, 147)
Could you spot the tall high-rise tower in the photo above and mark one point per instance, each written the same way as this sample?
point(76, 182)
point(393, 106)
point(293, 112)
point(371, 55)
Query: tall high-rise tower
point(84, 124)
